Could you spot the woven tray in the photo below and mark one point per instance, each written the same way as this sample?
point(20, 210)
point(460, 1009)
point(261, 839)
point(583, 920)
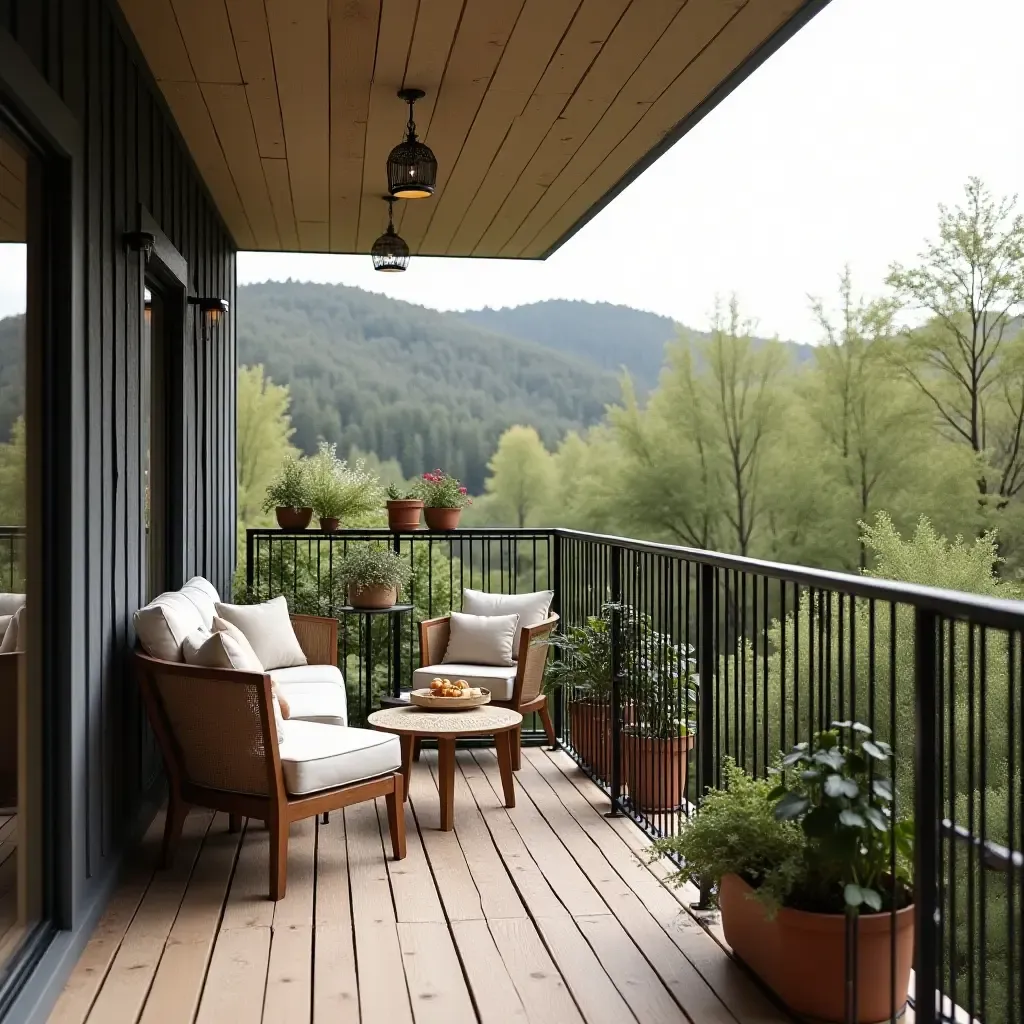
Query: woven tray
point(425, 699)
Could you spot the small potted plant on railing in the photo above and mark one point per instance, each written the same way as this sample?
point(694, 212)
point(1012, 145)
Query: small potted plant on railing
point(288, 496)
point(373, 576)
point(444, 498)
point(804, 864)
point(656, 741)
point(340, 491)
point(403, 510)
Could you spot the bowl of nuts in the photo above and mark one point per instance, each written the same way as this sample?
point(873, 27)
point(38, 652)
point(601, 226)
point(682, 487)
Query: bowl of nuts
point(450, 695)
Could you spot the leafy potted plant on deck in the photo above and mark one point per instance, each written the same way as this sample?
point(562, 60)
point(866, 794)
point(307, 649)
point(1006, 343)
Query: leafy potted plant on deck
point(444, 498)
point(584, 668)
point(340, 491)
point(403, 511)
point(795, 863)
point(288, 496)
point(656, 741)
point(373, 576)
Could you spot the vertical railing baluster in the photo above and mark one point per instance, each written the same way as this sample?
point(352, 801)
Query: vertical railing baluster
point(616, 652)
point(707, 672)
point(926, 817)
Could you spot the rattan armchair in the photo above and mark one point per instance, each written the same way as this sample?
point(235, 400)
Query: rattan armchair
point(527, 692)
point(219, 741)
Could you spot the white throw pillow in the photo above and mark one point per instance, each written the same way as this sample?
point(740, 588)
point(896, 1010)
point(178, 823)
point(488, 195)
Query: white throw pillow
point(163, 624)
point(203, 594)
point(219, 650)
point(5, 621)
point(531, 608)
point(12, 640)
point(268, 628)
point(480, 639)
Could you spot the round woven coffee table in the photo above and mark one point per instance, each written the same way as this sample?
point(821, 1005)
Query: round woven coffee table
point(413, 723)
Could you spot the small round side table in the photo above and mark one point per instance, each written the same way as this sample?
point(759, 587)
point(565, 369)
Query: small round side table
point(412, 723)
point(396, 646)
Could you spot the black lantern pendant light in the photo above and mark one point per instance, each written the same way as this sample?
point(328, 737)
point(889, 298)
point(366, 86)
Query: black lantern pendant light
point(390, 253)
point(412, 167)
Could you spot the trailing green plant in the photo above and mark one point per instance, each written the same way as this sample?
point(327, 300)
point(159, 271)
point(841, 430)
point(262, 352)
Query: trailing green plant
point(838, 789)
point(291, 487)
point(439, 490)
point(737, 832)
point(341, 491)
point(373, 565)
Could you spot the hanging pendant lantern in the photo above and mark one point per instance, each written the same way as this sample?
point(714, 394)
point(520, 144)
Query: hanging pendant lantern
point(390, 253)
point(412, 166)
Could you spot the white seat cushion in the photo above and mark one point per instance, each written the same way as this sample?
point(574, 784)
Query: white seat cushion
point(315, 693)
point(499, 679)
point(531, 608)
point(315, 757)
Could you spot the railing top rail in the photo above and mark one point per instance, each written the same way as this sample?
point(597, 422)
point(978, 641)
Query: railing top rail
point(999, 613)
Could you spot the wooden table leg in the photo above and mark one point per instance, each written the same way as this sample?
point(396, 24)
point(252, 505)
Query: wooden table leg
point(446, 781)
point(408, 750)
point(503, 742)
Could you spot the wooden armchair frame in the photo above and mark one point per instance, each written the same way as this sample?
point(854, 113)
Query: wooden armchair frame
point(275, 807)
point(528, 695)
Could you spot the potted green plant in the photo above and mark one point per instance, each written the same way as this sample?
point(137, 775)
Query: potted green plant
point(340, 491)
point(656, 742)
point(403, 510)
point(373, 576)
point(584, 668)
point(444, 498)
point(796, 863)
point(288, 495)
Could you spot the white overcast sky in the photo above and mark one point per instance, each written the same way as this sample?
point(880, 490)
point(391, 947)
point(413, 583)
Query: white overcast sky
point(838, 149)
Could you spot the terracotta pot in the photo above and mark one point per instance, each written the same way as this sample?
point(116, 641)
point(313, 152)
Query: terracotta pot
point(654, 770)
point(590, 733)
point(372, 597)
point(404, 514)
point(289, 518)
point(442, 518)
point(329, 524)
point(802, 956)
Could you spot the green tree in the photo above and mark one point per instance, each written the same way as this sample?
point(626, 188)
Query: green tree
point(968, 360)
point(263, 432)
point(12, 477)
point(521, 477)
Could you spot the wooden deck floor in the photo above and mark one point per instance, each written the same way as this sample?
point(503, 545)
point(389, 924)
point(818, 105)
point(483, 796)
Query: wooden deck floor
point(9, 929)
point(541, 913)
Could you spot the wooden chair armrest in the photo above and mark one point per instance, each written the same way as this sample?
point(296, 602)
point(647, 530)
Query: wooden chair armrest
point(318, 638)
point(533, 657)
point(434, 635)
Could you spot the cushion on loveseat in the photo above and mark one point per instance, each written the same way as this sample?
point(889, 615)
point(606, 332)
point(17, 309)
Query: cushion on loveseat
point(315, 693)
point(499, 679)
point(316, 757)
point(163, 624)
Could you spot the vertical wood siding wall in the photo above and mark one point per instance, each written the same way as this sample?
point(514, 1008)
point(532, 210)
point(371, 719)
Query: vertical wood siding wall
point(132, 154)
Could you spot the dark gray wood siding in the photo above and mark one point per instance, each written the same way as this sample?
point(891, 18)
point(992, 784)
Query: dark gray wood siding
point(131, 155)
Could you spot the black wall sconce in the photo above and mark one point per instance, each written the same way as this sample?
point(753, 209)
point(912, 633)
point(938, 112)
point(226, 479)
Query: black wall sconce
point(213, 311)
point(140, 241)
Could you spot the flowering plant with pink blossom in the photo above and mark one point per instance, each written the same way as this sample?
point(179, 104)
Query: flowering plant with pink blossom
point(439, 490)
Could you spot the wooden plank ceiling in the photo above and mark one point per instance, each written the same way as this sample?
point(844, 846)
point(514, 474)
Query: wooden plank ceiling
point(537, 110)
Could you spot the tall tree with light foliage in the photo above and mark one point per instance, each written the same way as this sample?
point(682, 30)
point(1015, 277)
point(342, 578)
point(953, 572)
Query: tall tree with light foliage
point(521, 478)
point(263, 430)
point(968, 359)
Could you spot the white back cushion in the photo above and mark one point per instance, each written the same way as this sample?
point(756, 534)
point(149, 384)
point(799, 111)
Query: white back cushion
point(163, 624)
point(13, 639)
point(10, 603)
point(203, 594)
point(480, 639)
point(531, 608)
point(268, 628)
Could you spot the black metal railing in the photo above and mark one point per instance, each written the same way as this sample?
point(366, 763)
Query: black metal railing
point(12, 559)
point(695, 657)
